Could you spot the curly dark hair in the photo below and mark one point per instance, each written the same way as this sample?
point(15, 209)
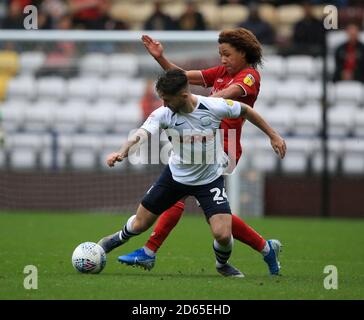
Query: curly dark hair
point(244, 41)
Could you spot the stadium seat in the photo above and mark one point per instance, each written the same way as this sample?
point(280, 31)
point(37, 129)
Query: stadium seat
point(291, 91)
point(84, 152)
point(349, 92)
point(31, 61)
point(353, 156)
point(274, 67)
point(268, 92)
point(23, 87)
point(99, 118)
point(13, 115)
point(135, 88)
point(70, 117)
point(288, 15)
point(280, 118)
point(39, 117)
point(340, 120)
point(24, 150)
point(122, 65)
point(134, 14)
point(94, 64)
point(302, 67)
point(115, 88)
point(268, 13)
point(335, 147)
point(111, 143)
point(299, 151)
point(358, 128)
point(212, 14)
point(82, 88)
point(52, 88)
point(313, 92)
point(232, 15)
point(262, 156)
point(307, 120)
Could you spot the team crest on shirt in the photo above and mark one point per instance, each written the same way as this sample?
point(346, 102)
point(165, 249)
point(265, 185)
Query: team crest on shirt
point(229, 102)
point(205, 121)
point(249, 80)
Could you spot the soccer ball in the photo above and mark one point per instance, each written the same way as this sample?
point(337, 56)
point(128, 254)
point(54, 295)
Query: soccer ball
point(89, 257)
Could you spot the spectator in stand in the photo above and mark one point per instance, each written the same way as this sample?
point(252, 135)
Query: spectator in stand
point(191, 19)
point(93, 15)
point(308, 34)
point(349, 57)
point(150, 100)
point(260, 28)
point(159, 20)
point(14, 18)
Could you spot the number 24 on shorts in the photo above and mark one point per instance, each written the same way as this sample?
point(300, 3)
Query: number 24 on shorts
point(220, 196)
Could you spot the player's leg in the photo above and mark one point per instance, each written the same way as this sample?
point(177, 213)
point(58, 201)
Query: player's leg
point(165, 224)
point(160, 197)
point(246, 234)
point(135, 225)
point(268, 248)
point(213, 201)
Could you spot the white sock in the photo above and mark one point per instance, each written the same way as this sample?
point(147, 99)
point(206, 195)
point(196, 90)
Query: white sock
point(149, 252)
point(266, 249)
point(130, 223)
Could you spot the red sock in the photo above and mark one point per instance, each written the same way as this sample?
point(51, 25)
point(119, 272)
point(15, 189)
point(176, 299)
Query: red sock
point(246, 234)
point(165, 223)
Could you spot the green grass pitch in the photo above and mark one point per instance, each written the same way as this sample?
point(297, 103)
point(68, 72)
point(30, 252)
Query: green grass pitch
point(185, 264)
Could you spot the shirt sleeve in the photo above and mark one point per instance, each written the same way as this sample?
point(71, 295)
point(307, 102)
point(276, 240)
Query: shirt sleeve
point(248, 81)
point(157, 120)
point(209, 76)
point(226, 108)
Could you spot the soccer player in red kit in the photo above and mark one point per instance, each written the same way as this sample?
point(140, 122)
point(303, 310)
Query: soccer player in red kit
point(236, 78)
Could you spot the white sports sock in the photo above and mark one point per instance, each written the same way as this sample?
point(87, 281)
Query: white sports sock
point(149, 252)
point(130, 223)
point(266, 249)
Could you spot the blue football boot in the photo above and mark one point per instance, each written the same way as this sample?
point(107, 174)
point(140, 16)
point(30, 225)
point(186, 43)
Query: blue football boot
point(272, 257)
point(138, 258)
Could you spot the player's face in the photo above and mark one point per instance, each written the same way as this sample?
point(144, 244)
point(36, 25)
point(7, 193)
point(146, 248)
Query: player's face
point(174, 102)
point(232, 59)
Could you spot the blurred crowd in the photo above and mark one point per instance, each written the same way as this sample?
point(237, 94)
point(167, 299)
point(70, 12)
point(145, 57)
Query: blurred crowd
point(306, 35)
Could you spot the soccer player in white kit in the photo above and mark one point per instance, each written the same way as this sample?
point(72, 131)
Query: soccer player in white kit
point(191, 122)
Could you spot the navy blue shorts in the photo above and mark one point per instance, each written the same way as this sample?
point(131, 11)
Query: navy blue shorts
point(166, 192)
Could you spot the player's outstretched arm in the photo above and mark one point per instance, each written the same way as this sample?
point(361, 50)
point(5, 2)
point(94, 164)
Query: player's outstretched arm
point(277, 142)
point(156, 50)
point(128, 147)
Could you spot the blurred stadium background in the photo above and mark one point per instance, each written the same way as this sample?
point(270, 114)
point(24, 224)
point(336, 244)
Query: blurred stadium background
point(69, 96)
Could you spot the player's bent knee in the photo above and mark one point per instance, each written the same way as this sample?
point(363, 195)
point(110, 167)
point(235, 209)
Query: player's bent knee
point(223, 238)
point(144, 219)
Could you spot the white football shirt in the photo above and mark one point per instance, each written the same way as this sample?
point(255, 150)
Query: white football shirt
point(197, 156)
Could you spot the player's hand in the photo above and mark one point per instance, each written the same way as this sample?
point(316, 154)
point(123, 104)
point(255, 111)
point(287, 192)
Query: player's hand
point(154, 47)
point(279, 145)
point(114, 157)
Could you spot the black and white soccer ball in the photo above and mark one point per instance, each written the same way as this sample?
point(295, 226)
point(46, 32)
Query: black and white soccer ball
point(89, 257)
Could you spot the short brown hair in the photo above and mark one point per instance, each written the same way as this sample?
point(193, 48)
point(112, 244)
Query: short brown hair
point(172, 81)
point(244, 41)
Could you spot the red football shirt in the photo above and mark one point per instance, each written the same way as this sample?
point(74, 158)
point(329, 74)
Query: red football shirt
point(249, 80)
